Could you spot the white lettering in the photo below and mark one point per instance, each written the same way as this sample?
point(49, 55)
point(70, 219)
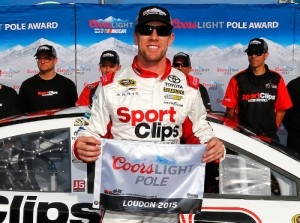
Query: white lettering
point(42, 25)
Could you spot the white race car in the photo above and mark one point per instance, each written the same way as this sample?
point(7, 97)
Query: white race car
point(40, 181)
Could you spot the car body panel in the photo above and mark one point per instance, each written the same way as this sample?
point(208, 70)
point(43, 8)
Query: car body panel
point(69, 200)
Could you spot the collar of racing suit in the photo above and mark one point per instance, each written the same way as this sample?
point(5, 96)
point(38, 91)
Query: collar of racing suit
point(148, 74)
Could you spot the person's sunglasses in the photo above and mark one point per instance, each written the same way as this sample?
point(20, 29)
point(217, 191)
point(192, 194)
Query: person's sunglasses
point(45, 59)
point(180, 64)
point(146, 30)
point(257, 53)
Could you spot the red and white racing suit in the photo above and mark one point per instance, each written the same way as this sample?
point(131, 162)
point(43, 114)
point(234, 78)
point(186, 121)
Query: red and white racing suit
point(139, 105)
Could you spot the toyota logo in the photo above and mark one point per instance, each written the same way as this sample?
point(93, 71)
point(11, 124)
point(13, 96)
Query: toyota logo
point(174, 79)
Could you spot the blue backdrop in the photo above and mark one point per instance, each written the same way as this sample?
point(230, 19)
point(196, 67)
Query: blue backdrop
point(215, 36)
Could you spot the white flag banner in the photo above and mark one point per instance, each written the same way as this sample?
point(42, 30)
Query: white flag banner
point(147, 177)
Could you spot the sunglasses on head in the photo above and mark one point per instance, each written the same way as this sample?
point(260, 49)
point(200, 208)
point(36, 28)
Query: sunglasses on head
point(257, 53)
point(180, 64)
point(146, 30)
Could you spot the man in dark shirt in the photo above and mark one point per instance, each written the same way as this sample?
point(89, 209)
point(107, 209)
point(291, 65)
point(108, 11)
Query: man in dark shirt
point(47, 89)
point(292, 117)
point(9, 102)
point(257, 97)
point(182, 62)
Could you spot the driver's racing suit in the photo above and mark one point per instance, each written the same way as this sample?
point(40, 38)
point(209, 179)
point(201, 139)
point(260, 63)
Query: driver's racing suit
point(141, 106)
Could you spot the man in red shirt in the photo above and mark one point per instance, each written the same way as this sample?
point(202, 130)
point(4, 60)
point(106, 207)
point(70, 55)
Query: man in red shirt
point(257, 97)
point(109, 63)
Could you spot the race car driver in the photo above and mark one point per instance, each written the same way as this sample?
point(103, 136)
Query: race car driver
point(163, 98)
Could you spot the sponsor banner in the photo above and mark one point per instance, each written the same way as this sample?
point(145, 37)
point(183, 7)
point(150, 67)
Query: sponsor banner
point(215, 41)
point(147, 177)
point(100, 28)
point(195, 1)
point(33, 2)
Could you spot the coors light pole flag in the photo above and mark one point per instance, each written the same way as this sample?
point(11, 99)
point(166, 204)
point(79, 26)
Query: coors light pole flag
point(146, 177)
